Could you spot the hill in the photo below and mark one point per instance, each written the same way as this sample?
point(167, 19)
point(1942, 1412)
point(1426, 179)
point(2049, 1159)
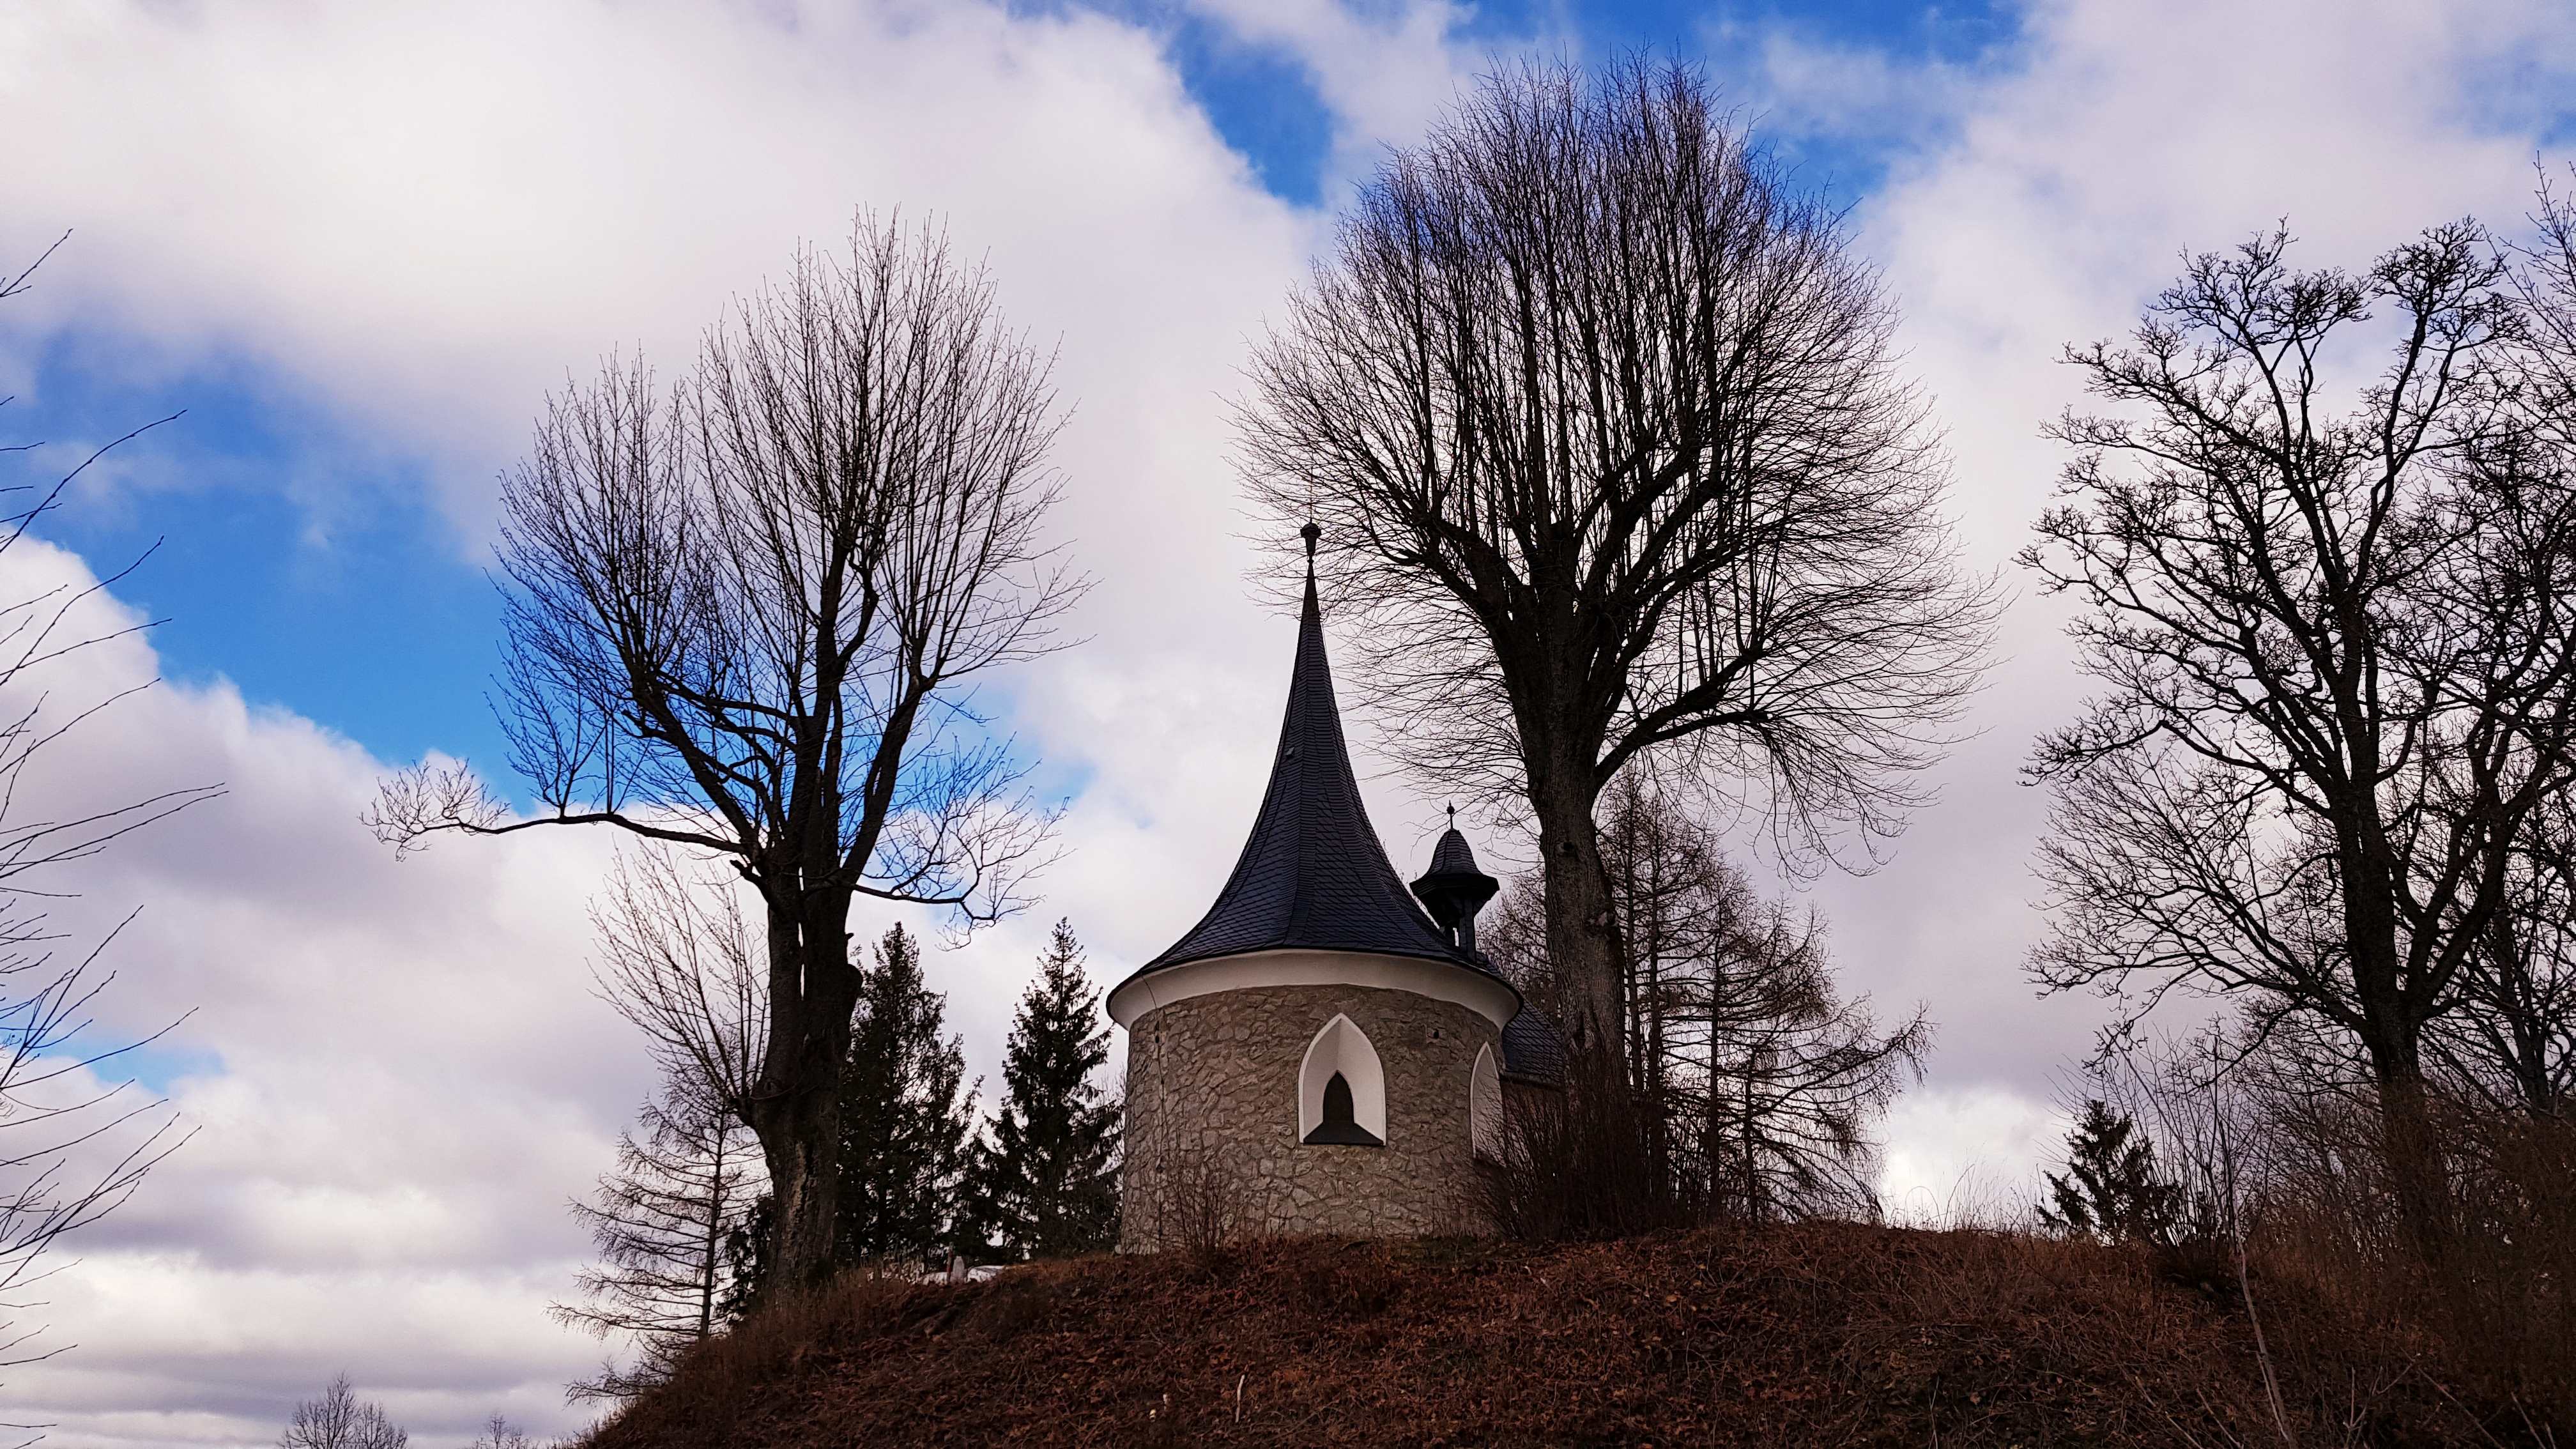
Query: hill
point(1825, 1334)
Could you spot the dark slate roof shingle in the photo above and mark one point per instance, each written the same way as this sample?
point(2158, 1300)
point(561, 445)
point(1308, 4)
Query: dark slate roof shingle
point(1532, 1050)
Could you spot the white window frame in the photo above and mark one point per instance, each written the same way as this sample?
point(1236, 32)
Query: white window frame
point(1340, 1046)
point(1485, 1106)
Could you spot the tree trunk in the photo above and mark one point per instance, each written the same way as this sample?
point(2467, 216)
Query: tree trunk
point(711, 1250)
point(796, 1112)
point(1581, 945)
point(2408, 1135)
point(2393, 1036)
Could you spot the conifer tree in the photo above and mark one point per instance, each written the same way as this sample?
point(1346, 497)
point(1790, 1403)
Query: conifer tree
point(2111, 1189)
point(662, 1220)
point(906, 1116)
point(1046, 1182)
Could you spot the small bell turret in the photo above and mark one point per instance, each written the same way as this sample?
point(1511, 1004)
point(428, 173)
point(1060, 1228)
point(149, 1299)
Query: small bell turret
point(1453, 890)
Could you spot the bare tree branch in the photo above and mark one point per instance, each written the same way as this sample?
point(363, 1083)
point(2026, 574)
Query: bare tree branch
point(1603, 429)
point(2338, 650)
point(745, 617)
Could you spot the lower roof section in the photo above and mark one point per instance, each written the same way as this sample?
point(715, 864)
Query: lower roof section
point(1488, 996)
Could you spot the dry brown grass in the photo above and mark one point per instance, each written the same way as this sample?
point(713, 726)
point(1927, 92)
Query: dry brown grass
point(2493, 1315)
point(1813, 1335)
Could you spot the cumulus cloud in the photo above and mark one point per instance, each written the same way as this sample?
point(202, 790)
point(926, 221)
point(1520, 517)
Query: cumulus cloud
point(393, 1074)
point(411, 223)
point(1383, 71)
point(2056, 196)
point(408, 222)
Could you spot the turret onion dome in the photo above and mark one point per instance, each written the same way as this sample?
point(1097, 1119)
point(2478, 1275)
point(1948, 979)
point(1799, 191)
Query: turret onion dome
point(1453, 890)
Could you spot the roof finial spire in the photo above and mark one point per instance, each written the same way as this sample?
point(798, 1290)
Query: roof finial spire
point(1453, 815)
point(1310, 533)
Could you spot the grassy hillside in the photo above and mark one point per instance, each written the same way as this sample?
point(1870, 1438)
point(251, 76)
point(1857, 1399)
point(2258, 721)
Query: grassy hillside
point(1820, 1335)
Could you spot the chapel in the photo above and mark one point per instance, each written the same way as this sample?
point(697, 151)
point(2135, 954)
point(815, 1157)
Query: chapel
point(1325, 1051)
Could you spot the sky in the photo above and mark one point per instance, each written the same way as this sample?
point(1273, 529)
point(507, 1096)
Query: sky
point(351, 247)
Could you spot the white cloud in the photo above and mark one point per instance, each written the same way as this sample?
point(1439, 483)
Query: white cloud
point(2051, 203)
point(406, 222)
point(1384, 71)
point(1968, 1158)
point(394, 1075)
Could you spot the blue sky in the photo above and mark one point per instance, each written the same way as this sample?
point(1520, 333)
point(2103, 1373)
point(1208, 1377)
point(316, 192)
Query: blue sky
point(357, 242)
point(312, 565)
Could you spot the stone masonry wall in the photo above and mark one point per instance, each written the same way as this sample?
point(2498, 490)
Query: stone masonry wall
point(1212, 1149)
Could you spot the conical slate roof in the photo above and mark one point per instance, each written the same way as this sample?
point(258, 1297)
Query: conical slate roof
point(1313, 876)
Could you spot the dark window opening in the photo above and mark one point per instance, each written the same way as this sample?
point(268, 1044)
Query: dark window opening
point(1341, 1124)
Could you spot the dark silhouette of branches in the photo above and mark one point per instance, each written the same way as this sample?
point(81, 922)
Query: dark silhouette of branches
point(746, 618)
point(661, 1220)
point(1756, 1083)
point(2511, 1042)
point(339, 1419)
point(679, 961)
point(1603, 428)
point(2335, 648)
point(72, 1149)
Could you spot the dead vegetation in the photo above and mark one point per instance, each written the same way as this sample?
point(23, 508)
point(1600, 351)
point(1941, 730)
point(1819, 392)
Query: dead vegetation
point(1825, 1333)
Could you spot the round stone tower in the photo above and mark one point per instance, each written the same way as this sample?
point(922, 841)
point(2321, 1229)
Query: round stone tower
point(1316, 1054)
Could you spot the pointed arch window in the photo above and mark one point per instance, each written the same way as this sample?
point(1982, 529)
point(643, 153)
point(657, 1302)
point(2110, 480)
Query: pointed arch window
point(1341, 1089)
point(1485, 1106)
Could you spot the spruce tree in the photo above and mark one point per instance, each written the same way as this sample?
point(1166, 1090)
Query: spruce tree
point(906, 1116)
point(2111, 1189)
point(1046, 1182)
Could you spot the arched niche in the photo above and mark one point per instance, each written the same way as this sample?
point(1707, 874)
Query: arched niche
point(1341, 1050)
point(1485, 1106)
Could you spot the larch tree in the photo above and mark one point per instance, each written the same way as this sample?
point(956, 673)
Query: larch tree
point(1759, 1083)
point(745, 618)
point(1605, 432)
point(679, 961)
point(661, 1220)
point(1046, 1176)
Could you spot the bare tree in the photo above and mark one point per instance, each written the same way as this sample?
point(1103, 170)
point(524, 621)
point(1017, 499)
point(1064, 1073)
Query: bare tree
point(662, 1220)
point(680, 962)
point(1766, 1080)
point(1603, 428)
point(745, 620)
point(1757, 1084)
point(500, 1433)
point(2511, 1042)
point(339, 1419)
point(2338, 664)
point(51, 1106)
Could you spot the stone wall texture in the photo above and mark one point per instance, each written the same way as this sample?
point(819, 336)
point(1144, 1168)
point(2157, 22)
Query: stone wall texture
point(1212, 1149)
